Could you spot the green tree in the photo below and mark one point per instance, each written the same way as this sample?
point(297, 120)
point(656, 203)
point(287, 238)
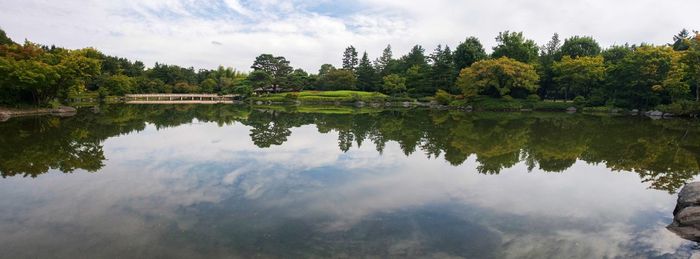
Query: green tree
point(467, 53)
point(394, 84)
point(549, 53)
point(366, 76)
point(681, 41)
point(350, 58)
point(418, 81)
point(119, 85)
point(384, 63)
point(579, 76)
point(415, 57)
point(692, 60)
point(577, 46)
point(259, 80)
point(499, 77)
point(277, 68)
point(442, 75)
point(515, 46)
point(208, 85)
point(4, 40)
point(338, 79)
point(299, 79)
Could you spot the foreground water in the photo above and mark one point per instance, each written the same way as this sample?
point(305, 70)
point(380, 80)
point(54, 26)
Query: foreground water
point(226, 181)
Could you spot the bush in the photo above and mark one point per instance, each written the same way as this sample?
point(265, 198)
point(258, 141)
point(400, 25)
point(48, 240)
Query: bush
point(533, 98)
point(579, 100)
point(291, 96)
point(683, 107)
point(507, 98)
point(443, 97)
point(53, 104)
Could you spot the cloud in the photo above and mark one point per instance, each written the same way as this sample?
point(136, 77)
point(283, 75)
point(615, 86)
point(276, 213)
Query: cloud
point(312, 33)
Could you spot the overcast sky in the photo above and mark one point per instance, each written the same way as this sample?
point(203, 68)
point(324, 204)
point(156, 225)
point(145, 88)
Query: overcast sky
point(207, 33)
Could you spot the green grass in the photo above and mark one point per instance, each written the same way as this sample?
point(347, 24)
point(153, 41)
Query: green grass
point(344, 96)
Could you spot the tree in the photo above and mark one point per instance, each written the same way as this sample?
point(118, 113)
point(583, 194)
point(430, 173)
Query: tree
point(467, 53)
point(515, 46)
point(638, 75)
point(277, 68)
point(681, 41)
point(208, 85)
point(350, 58)
point(580, 47)
point(549, 53)
point(384, 62)
point(298, 80)
point(692, 61)
point(119, 85)
point(442, 73)
point(394, 84)
point(366, 76)
point(338, 79)
point(499, 77)
point(579, 75)
point(4, 40)
point(414, 57)
point(259, 80)
point(325, 68)
point(418, 81)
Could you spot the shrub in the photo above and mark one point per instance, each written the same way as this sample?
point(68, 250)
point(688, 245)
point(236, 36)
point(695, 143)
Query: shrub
point(533, 98)
point(443, 97)
point(579, 100)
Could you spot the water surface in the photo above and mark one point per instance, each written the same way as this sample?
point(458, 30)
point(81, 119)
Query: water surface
point(180, 181)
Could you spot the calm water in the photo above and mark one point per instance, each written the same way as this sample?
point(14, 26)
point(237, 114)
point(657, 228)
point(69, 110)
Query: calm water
point(226, 181)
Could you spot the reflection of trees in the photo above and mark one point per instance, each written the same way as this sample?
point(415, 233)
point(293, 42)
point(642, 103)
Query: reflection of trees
point(664, 153)
point(34, 145)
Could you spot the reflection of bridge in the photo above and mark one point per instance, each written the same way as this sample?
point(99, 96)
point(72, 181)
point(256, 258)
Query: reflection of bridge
point(179, 98)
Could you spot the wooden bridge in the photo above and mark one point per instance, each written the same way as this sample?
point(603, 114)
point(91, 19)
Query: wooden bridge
point(179, 98)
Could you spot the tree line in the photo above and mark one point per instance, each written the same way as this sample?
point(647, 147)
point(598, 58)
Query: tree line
point(628, 76)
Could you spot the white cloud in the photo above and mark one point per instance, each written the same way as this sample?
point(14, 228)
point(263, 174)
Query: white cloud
point(312, 33)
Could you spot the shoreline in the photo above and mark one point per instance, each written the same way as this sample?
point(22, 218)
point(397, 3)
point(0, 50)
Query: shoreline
point(63, 111)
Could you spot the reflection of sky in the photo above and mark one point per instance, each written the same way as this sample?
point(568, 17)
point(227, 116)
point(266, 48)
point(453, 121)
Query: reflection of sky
point(204, 190)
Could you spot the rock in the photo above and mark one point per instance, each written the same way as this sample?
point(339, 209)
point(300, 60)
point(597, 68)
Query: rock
point(634, 112)
point(654, 113)
point(668, 115)
point(614, 110)
point(406, 104)
point(468, 108)
point(387, 104)
point(64, 109)
point(525, 110)
point(686, 215)
point(360, 104)
point(259, 102)
point(571, 109)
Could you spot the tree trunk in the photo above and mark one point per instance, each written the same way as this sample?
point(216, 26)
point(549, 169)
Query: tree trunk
point(697, 92)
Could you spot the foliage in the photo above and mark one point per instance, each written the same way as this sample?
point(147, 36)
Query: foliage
point(338, 79)
point(467, 53)
point(498, 77)
point(394, 84)
point(443, 97)
point(515, 46)
point(577, 46)
point(579, 76)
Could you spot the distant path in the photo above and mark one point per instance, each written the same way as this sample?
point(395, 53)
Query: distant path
point(179, 98)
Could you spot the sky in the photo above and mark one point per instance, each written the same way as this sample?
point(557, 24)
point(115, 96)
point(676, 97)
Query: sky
point(207, 33)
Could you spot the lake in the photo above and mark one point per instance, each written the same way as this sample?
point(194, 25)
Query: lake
point(203, 181)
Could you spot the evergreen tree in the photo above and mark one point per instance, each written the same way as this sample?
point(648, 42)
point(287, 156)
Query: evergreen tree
point(350, 58)
point(442, 70)
point(366, 76)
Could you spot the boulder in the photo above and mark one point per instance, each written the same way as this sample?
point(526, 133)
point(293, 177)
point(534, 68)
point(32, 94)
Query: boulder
point(686, 215)
point(406, 104)
point(654, 113)
point(360, 104)
point(571, 109)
